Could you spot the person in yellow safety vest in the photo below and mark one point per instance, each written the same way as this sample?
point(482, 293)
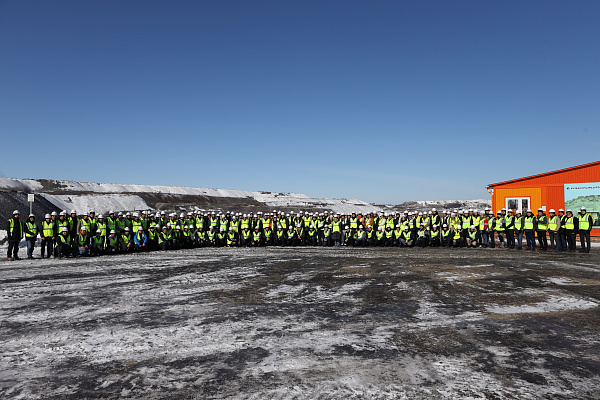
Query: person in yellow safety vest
point(48, 235)
point(221, 238)
point(137, 223)
point(31, 232)
point(562, 237)
point(290, 239)
point(472, 237)
point(422, 236)
point(446, 236)
point(465, 222)
point(232, 240)
point(434, 236)
point(457, 238)
point(499, 227)
point(97, 244)
point(347, 236)
point(211, 237)
point(63, 244)
point(112, 243)
point(311, 236)
point(245, 236)
point(280, 235)
point(379, 236)
point(187, 237)
point(257, 239)
point(388, 236)
point(518, 228)
point(509, 221)
point(585, 223)
point(83, 241)
point(407, 237)
point(529, 222)
point(541, 227)
point(93, 221)
point(126, 241)
point(267, 235)
point(164, 239)
point(200, 237)
point(61, 222)
point(553, 228)
point(398, 235)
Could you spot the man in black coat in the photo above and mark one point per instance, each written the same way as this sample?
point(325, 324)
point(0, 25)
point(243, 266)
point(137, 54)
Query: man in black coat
point(15, 234)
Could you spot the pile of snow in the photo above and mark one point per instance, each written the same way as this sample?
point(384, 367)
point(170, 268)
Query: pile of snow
point(101, 203)
point(477, 203)
point(23, 185)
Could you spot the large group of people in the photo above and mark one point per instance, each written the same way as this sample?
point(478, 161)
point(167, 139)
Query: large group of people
point(74, 235)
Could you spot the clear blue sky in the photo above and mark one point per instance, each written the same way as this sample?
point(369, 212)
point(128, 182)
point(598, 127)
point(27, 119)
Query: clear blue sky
point(385, 101)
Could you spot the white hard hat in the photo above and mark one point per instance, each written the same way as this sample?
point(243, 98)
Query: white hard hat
point(47, 216)
point(346, 227)
point(569, 210)
point(405, 227)
point(92, 211)
point(182, 215)
point(54, 214)
point(380, 228)
point(360, 227)
point(177, 227)
point(529, 210)
point(64, 229)
point(222, 229)
point(111, 212)
point(583, 208)
point(100, 216)
point(127, 229)
point(312, 227)
point(231, 228)
point(560, 209)
point(458, 227)
point(135, 214)
point(157, 215)
point(31, 215)
point(99, 231)
point(444, 226)
point(73, 212)
point(63, 212)
point(16, 212)
point(84, 228)
point(472, 227)
point(112, 231)
point(127, 214)
point(140, 228)
point(433, 209)
point(552, 210)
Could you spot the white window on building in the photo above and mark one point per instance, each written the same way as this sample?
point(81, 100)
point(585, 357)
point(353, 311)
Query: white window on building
point(518, 203)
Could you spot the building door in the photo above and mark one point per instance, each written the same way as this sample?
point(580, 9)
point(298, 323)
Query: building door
point(518, 203)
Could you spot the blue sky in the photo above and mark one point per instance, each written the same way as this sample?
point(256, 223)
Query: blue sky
point(384, 101)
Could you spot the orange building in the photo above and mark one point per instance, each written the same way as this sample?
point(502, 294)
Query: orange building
point(568, 188)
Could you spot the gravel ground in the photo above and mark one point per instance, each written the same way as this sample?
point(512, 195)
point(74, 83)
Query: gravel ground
point(302, 323)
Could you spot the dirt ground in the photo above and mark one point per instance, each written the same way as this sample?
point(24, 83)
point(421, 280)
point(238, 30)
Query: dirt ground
point(303, 323)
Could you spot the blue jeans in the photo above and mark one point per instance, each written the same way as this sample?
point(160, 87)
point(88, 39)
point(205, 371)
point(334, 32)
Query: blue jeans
point(30, 246)
point(520, 240)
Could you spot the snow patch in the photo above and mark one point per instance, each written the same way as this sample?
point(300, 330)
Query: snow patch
point(554, 303)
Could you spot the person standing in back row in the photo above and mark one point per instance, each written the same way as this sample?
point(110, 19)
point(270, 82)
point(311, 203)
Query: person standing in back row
point(15, 234)
point(585, 227)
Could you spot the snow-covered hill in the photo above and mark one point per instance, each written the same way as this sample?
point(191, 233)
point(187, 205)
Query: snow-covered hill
point(103, 197)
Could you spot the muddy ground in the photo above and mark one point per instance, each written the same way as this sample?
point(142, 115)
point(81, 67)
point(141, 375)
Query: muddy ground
point(302, 324)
